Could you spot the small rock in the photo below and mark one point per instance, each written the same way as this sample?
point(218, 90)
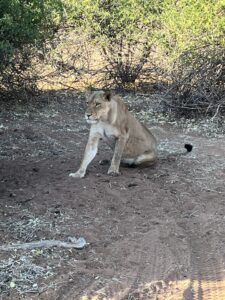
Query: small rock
point(132, 184)
point(12, 195)
point(12, 284)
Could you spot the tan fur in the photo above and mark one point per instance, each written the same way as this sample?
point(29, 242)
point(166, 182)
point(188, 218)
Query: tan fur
point(132, 142)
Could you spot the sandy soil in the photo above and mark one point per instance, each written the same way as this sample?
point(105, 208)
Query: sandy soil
point(152, 233)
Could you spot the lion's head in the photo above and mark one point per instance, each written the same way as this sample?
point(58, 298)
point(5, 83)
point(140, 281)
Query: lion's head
point(98, 106)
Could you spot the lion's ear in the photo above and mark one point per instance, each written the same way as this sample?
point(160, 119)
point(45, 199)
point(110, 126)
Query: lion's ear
point(108, 95)
point(88, 92)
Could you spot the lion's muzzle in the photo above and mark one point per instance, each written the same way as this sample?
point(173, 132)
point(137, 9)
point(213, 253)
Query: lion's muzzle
point(90, 118)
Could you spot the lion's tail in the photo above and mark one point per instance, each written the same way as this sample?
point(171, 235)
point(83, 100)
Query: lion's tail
point(189, 147)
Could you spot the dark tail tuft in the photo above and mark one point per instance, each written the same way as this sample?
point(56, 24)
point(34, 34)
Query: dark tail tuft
point(189, 147)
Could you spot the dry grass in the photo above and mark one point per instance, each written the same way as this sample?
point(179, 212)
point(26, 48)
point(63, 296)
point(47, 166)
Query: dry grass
point(22, 274)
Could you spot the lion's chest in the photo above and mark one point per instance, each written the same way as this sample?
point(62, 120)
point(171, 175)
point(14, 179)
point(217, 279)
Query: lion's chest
point(109, 134)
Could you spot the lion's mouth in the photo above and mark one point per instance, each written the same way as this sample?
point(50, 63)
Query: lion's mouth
point(90, 119)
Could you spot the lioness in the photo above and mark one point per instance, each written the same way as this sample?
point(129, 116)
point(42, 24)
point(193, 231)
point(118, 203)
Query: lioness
point(110, 120)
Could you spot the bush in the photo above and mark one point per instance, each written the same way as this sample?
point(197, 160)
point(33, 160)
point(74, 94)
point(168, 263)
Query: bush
point(199, 81)
point(189, 24)
point(122, 29)
point(25, 26)
point(193, 38)
point(119, 43)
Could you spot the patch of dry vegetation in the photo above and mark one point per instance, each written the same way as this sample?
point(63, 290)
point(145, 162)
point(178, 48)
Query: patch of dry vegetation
point(22, 274)
point(199, 82)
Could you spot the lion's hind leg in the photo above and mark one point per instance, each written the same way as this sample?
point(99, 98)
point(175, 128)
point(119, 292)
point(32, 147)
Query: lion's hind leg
point(147, 158)
point(128, 162)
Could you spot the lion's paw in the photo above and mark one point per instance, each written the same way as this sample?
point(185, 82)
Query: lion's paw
point(112, 172)
point(77, 175)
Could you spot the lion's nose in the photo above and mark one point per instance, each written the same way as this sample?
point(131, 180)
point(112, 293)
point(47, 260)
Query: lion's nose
point(88, 115)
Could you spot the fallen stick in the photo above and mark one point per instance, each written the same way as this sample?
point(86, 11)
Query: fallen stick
point(73, 243)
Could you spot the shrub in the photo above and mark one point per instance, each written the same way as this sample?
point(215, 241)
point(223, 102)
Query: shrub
point(25, 25)
point(193, 38)
point(123, 30)
point(189, 24)
point(199, 81)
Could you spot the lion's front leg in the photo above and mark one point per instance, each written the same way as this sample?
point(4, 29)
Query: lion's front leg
point(89, 154)
point(118, 151)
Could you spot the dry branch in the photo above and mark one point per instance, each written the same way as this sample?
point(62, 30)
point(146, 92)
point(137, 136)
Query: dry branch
point(73, 243)
point(199, 81)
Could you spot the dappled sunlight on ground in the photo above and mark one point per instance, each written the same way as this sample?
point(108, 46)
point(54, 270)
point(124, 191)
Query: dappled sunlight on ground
point(179, 290)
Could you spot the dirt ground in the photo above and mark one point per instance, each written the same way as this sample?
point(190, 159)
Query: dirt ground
point(152, 233)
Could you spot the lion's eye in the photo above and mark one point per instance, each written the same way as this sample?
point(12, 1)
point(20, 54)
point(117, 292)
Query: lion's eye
point(97, 104)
